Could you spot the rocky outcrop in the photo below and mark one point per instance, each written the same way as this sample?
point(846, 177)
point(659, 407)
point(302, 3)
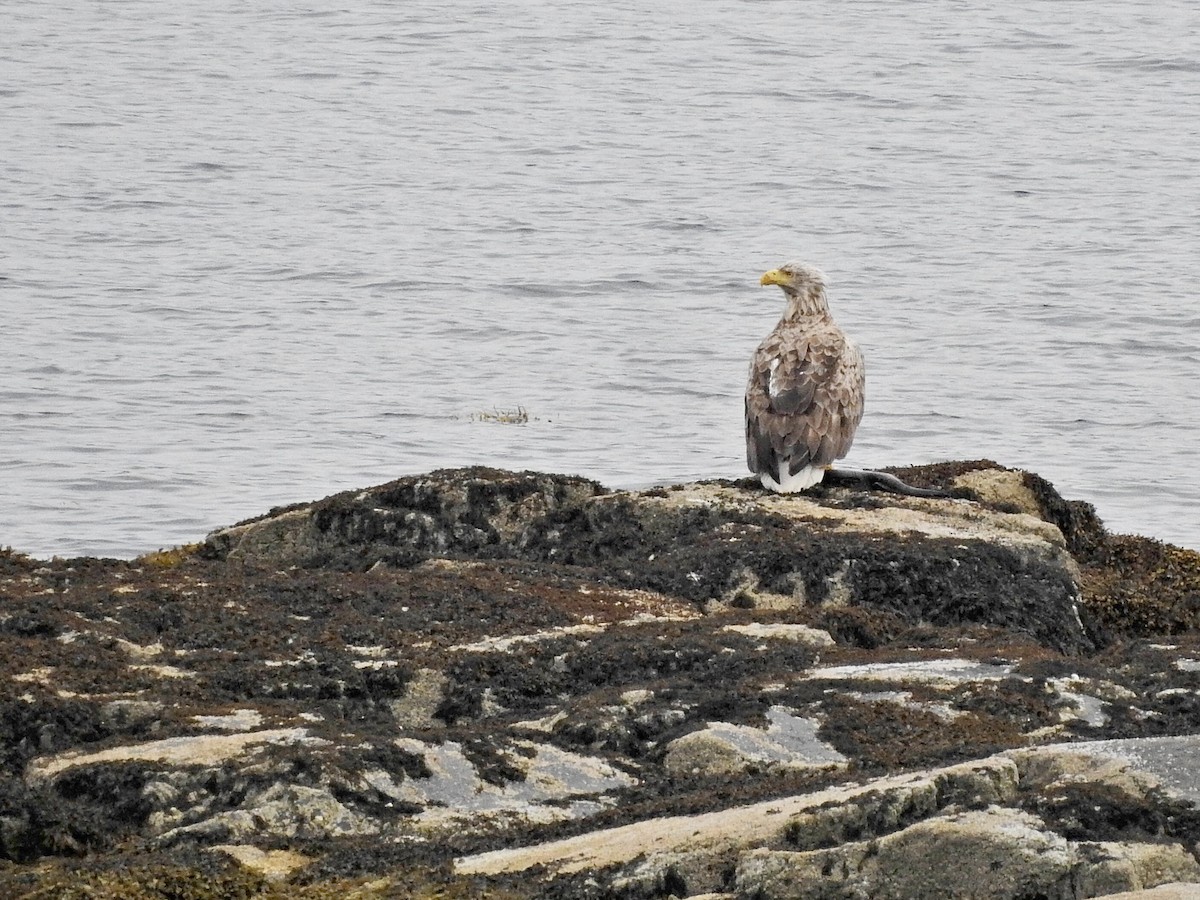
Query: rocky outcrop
point(485, 683)
point(999, 853)
point(482, 513)
point(713, 543)
point(965, 830)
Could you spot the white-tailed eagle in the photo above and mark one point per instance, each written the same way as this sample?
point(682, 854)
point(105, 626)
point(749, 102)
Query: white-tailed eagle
point(804, 399)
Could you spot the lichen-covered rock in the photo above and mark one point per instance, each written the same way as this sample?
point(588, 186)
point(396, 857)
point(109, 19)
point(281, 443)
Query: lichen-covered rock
point(813, 637)
point(821, 816)
point(478, 511)
point(992, 854)
point(281, 811)
point(541, 784)
point(424, 694)
point(479, 683)
point(788, 742)
point(1179, 891)
point(941, 561)
point(1110, 867)
point(179, 751)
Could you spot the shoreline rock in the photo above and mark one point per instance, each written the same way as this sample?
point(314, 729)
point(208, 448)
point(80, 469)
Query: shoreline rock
point(491, 683)
point(713, 543)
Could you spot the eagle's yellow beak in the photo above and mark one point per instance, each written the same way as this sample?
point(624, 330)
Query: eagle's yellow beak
point(773, 277)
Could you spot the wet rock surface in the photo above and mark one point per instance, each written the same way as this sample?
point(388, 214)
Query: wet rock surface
point(491, 684)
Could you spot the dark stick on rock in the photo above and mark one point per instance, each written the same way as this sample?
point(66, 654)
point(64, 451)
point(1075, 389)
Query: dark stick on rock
point(867, 480)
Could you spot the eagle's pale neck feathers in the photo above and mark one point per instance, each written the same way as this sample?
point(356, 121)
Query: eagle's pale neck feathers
point(805, 301)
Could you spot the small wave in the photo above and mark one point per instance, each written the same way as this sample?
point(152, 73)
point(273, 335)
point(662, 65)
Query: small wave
point(139, 204)
point(407, 414)
point(531, 289)
point(210, 167)
point(403, 284)
point(678, 225)
point(116, 483)
point(608, 284)
point(38, 415)
point(1151, 64)
point(323, 275)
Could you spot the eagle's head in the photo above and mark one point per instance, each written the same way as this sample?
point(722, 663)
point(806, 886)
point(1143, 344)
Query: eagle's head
point(796, 278)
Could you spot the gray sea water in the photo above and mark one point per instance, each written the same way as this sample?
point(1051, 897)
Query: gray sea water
point(253, 253)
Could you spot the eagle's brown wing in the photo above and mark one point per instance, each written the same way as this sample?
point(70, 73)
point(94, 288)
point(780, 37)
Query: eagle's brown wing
point(804, 398)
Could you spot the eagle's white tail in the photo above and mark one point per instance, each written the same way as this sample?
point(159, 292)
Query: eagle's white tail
point(791, 484)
